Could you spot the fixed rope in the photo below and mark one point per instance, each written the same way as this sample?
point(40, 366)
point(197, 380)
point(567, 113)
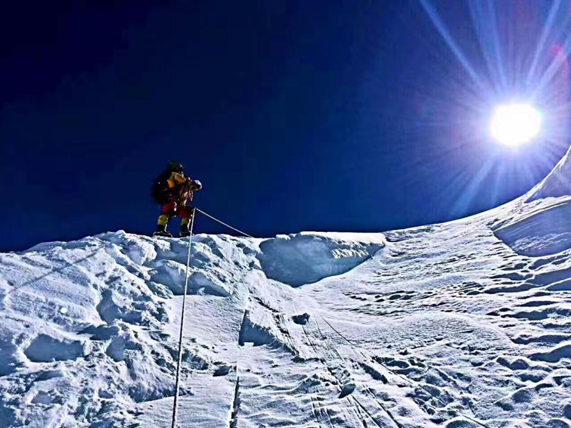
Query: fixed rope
point(381, 405)
point(187, 277)
point(222, 223)
point(407, 380)
point(233, 421)
point(179, 363)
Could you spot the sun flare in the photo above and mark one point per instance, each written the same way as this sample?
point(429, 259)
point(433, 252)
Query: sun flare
point(515, 124)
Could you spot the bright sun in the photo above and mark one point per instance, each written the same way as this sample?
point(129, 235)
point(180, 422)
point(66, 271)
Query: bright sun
point(515, 124)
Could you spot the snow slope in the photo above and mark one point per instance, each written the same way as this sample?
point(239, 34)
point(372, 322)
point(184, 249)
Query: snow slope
point(463, 324)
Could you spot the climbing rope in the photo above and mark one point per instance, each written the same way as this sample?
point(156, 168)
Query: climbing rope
point(179, 362)
point(222, 223)
point(381, 405)
point(177, 382)
point(237, 385)
point(407, 380)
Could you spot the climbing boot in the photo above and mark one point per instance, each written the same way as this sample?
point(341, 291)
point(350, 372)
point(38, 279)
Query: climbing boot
point(162, 231)
point(184, 227)
point(184, 231)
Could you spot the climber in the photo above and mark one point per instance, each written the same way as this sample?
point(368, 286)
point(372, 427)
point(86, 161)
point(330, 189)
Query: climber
point(172, 190)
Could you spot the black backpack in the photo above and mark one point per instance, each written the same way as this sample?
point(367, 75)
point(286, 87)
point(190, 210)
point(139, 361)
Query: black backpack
point(160, 191)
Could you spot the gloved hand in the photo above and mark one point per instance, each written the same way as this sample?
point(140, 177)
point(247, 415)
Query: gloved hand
point(196, 185)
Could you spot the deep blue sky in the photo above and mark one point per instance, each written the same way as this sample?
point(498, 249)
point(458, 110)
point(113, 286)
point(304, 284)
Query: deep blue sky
point(295, 115)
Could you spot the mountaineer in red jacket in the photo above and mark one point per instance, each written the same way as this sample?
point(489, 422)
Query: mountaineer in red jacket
point(173, 191)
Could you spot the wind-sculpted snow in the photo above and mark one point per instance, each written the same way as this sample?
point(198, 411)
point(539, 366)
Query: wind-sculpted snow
point(556, 184)
point(539, 223)
point(465, 324)
point(542, 232)
point(309, 257)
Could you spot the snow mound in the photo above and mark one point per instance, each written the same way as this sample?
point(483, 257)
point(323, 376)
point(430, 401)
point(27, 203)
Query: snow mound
point(539, 223)
point(308, 257)
point(543, 232)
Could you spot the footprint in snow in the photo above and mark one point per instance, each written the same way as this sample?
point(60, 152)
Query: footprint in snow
point(347, 389)
point(223, 370)
point(44, 349)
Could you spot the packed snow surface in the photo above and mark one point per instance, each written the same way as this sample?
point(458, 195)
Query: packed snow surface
point(463, 324)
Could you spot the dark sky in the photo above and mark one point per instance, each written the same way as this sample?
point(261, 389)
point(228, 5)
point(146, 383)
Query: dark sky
point(295, 115)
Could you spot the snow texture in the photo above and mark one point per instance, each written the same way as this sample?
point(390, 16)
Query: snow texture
point(463, 324)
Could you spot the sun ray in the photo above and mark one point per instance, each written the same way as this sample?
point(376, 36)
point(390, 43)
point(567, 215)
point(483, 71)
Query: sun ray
point(471, 191)
point(485, 22)
point(555, 6)
point(443, 30)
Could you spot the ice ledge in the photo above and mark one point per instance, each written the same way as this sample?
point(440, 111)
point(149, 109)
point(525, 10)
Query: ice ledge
point(308, 257)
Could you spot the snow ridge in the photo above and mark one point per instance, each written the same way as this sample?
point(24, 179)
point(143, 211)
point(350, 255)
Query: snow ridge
point(465, 324)
point(556, 184)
